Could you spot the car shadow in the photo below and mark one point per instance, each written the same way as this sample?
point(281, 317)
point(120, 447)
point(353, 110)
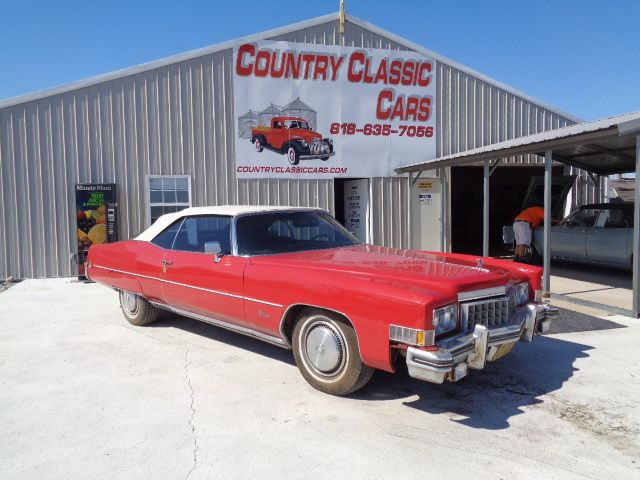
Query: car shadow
point(486, 399)
point(218, 334)
point(608, 276)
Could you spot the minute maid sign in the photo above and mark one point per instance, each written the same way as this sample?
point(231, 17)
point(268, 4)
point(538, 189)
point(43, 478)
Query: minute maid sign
point(317, 111)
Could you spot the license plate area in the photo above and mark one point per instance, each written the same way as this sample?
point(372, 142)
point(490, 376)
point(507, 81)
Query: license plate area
point(458, 372)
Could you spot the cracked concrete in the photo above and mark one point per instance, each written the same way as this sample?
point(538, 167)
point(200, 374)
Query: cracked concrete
point(193, 411)
point(83, 394)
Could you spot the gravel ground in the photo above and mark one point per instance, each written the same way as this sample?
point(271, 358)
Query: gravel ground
point(83, 394)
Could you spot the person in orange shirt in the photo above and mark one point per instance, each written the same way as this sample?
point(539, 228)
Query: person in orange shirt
point(523, 225)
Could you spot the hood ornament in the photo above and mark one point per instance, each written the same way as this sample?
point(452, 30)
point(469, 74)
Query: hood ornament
point(480, 263)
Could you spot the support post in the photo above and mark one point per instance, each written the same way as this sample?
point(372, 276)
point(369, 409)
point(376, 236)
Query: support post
point(485, 211)
point(636, 236)
point(546, 280)
point(443, 210)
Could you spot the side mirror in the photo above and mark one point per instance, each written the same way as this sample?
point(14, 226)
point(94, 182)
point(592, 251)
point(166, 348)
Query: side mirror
point(215, 249)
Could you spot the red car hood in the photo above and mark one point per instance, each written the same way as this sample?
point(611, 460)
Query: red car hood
point(308, 135)
point(427, 270)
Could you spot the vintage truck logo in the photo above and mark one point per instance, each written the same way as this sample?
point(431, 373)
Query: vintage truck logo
point(291, 136)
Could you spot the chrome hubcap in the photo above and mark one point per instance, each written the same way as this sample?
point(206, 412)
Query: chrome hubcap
point(130, 302)
point(325, 348)
point(292, 156)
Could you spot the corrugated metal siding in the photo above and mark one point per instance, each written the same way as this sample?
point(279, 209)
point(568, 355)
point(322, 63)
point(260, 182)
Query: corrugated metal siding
point(390, 212)
point(178, 119)
point(155, 122)
point(472, 113)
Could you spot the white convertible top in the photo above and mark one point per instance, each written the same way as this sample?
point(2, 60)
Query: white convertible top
point(230, 210)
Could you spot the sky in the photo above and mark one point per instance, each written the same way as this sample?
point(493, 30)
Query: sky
point(581, 56)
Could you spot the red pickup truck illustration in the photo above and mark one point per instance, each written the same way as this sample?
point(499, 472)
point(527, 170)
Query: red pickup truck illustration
point(292, 136)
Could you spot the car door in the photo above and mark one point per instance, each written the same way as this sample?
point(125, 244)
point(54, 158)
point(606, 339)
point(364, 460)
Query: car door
point(150, 260)
point(203, 283)
point(607, 241)
point(277, 134)
point(569, 239)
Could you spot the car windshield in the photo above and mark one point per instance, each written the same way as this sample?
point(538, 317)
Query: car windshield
point(296, 124)
point(284, 232)
point(585, 217)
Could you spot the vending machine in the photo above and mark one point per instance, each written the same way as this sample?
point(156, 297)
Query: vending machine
point(96, 218)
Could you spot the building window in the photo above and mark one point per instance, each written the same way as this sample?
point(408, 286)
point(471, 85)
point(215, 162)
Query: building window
point(167, 194)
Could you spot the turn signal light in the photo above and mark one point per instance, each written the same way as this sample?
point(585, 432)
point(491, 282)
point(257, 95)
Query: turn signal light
point(411, 336)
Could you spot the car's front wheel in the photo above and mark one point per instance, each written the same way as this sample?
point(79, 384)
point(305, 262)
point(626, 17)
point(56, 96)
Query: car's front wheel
point(137, 310)
point(292, 155)
point(326, 351)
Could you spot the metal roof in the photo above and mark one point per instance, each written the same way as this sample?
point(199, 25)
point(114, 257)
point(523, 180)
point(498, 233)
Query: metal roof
point(267, 35)
point(271, 109)
point(298, 104)
point(603, 146)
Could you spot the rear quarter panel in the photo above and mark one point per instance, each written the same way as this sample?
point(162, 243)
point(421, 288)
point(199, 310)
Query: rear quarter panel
point(114, 265)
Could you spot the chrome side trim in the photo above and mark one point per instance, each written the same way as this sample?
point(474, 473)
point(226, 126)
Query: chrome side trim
point(484, 292)
point(232, 327)
point(218, 292)
point(161, 306)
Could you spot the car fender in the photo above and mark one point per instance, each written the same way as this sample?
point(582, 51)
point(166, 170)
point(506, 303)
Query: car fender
point(370, 305)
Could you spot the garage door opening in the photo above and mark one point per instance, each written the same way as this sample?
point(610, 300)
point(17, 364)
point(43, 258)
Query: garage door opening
point(507, 190)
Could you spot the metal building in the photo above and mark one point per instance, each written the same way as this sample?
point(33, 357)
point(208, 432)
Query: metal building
point(175, 117)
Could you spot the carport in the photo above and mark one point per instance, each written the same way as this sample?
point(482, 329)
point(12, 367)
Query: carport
point(602, 147)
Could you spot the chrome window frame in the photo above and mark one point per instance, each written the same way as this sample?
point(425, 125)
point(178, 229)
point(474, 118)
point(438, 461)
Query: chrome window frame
point(234, 230)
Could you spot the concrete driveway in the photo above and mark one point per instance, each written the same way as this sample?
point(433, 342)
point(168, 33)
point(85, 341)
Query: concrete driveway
point(609, 288)
point(85, 395)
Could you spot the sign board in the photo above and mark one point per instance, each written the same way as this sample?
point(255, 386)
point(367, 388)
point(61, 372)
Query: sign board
point(96, 217)
point(356, 208)
point(323, 111)
point(425, 199)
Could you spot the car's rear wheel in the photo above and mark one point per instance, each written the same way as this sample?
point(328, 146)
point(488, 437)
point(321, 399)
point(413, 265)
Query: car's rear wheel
point(137, 310)
point(326, 351)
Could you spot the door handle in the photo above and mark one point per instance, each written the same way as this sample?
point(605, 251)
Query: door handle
point(164, 265)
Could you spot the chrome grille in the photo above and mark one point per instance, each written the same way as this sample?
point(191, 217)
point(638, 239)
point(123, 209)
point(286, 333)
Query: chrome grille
point(492, 312)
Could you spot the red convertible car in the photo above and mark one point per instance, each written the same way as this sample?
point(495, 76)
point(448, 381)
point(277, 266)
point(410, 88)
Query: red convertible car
point(296, 278)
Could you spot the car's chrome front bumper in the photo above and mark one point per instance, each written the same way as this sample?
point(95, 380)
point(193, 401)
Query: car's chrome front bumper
point(473, 350)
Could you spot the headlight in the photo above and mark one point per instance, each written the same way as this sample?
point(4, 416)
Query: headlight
point(521, 293)
point(445, 319)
